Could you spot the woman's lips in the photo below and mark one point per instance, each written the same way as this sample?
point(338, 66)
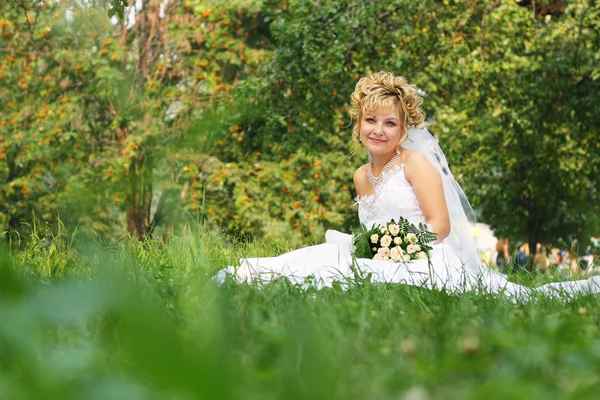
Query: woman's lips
point(376, 140)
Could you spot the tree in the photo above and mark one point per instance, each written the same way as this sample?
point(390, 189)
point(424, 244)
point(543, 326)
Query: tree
point(521, 118)
point(129, 91)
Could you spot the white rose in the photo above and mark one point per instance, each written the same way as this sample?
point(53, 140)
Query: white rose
point(410, 249)
point(396, 254)
point(374, 238)
point(386, 240)
point(398, 240)
point(394, 229)
point(421, 255)
point(411, 237)
point(417, 247)
point(377, 257)
point(382, 230)
point(384, 252)
point(406, 258)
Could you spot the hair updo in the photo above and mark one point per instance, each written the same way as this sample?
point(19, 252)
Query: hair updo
point(379, 93)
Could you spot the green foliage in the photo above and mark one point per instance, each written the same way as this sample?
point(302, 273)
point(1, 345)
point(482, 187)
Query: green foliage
point(236, 114)
point(519, 117)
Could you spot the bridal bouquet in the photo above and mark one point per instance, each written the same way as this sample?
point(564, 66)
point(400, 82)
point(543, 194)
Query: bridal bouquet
point(396, 241)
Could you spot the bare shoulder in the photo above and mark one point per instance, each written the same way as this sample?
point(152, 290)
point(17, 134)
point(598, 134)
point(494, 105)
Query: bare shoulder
point(414, 158)
point(360, 179)
point(417, 164)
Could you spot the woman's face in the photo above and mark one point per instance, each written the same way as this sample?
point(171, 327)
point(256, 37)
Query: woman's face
point(381, 133)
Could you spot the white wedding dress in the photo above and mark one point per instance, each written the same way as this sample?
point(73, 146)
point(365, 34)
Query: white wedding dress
point(323, 264)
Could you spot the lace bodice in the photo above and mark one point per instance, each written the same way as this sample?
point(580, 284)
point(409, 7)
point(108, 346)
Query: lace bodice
point(392, 198)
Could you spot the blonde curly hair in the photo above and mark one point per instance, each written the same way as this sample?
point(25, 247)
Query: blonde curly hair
point(382, 91)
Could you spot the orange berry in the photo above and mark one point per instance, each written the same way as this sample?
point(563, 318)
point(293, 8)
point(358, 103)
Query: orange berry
point(113, 57)
point(296, 205)
point(9, 105)
point(239, 139)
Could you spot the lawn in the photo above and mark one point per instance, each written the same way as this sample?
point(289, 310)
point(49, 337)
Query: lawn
point(85, 321)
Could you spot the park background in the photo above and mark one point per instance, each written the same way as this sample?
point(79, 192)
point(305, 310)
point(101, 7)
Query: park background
point(145, 145)
point(235, 113)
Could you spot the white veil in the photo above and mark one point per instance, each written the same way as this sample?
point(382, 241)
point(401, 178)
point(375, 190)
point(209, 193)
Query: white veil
point(459, 209)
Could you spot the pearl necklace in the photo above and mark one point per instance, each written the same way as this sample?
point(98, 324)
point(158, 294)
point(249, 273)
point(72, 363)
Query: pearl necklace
point(376, 181)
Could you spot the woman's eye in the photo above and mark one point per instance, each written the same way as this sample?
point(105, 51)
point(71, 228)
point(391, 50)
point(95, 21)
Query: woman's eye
point(370, 119)
point(391, 123)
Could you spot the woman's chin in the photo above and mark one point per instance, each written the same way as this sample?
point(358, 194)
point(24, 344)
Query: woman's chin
point(379, 151)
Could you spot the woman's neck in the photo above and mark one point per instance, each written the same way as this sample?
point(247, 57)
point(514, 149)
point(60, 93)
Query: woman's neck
point(378, 162)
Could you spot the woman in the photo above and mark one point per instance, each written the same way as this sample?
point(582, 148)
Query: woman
point(407, 176)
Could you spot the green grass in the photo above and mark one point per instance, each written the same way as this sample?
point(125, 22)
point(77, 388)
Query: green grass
point(147, 322)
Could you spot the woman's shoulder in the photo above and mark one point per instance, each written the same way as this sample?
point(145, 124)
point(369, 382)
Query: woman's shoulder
point(360, 179)
point(411, 157)
point(416, 165)
point(360, 175)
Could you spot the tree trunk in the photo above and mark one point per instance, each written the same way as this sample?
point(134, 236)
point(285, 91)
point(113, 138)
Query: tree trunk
point(138, 197)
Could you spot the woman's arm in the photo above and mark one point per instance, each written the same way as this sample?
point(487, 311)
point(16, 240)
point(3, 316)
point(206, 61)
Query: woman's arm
point(427, 183)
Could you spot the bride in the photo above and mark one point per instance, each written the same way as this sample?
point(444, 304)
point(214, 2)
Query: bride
point(407, 175)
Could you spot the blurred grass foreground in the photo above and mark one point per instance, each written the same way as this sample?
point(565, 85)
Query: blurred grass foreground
point(146, 321)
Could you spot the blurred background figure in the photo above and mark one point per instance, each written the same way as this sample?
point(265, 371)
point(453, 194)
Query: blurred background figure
point(502, 254)
point(521, 257)
point(540, 261)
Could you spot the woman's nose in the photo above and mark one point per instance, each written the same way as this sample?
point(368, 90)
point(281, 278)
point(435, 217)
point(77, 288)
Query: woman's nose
point(378, 129)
